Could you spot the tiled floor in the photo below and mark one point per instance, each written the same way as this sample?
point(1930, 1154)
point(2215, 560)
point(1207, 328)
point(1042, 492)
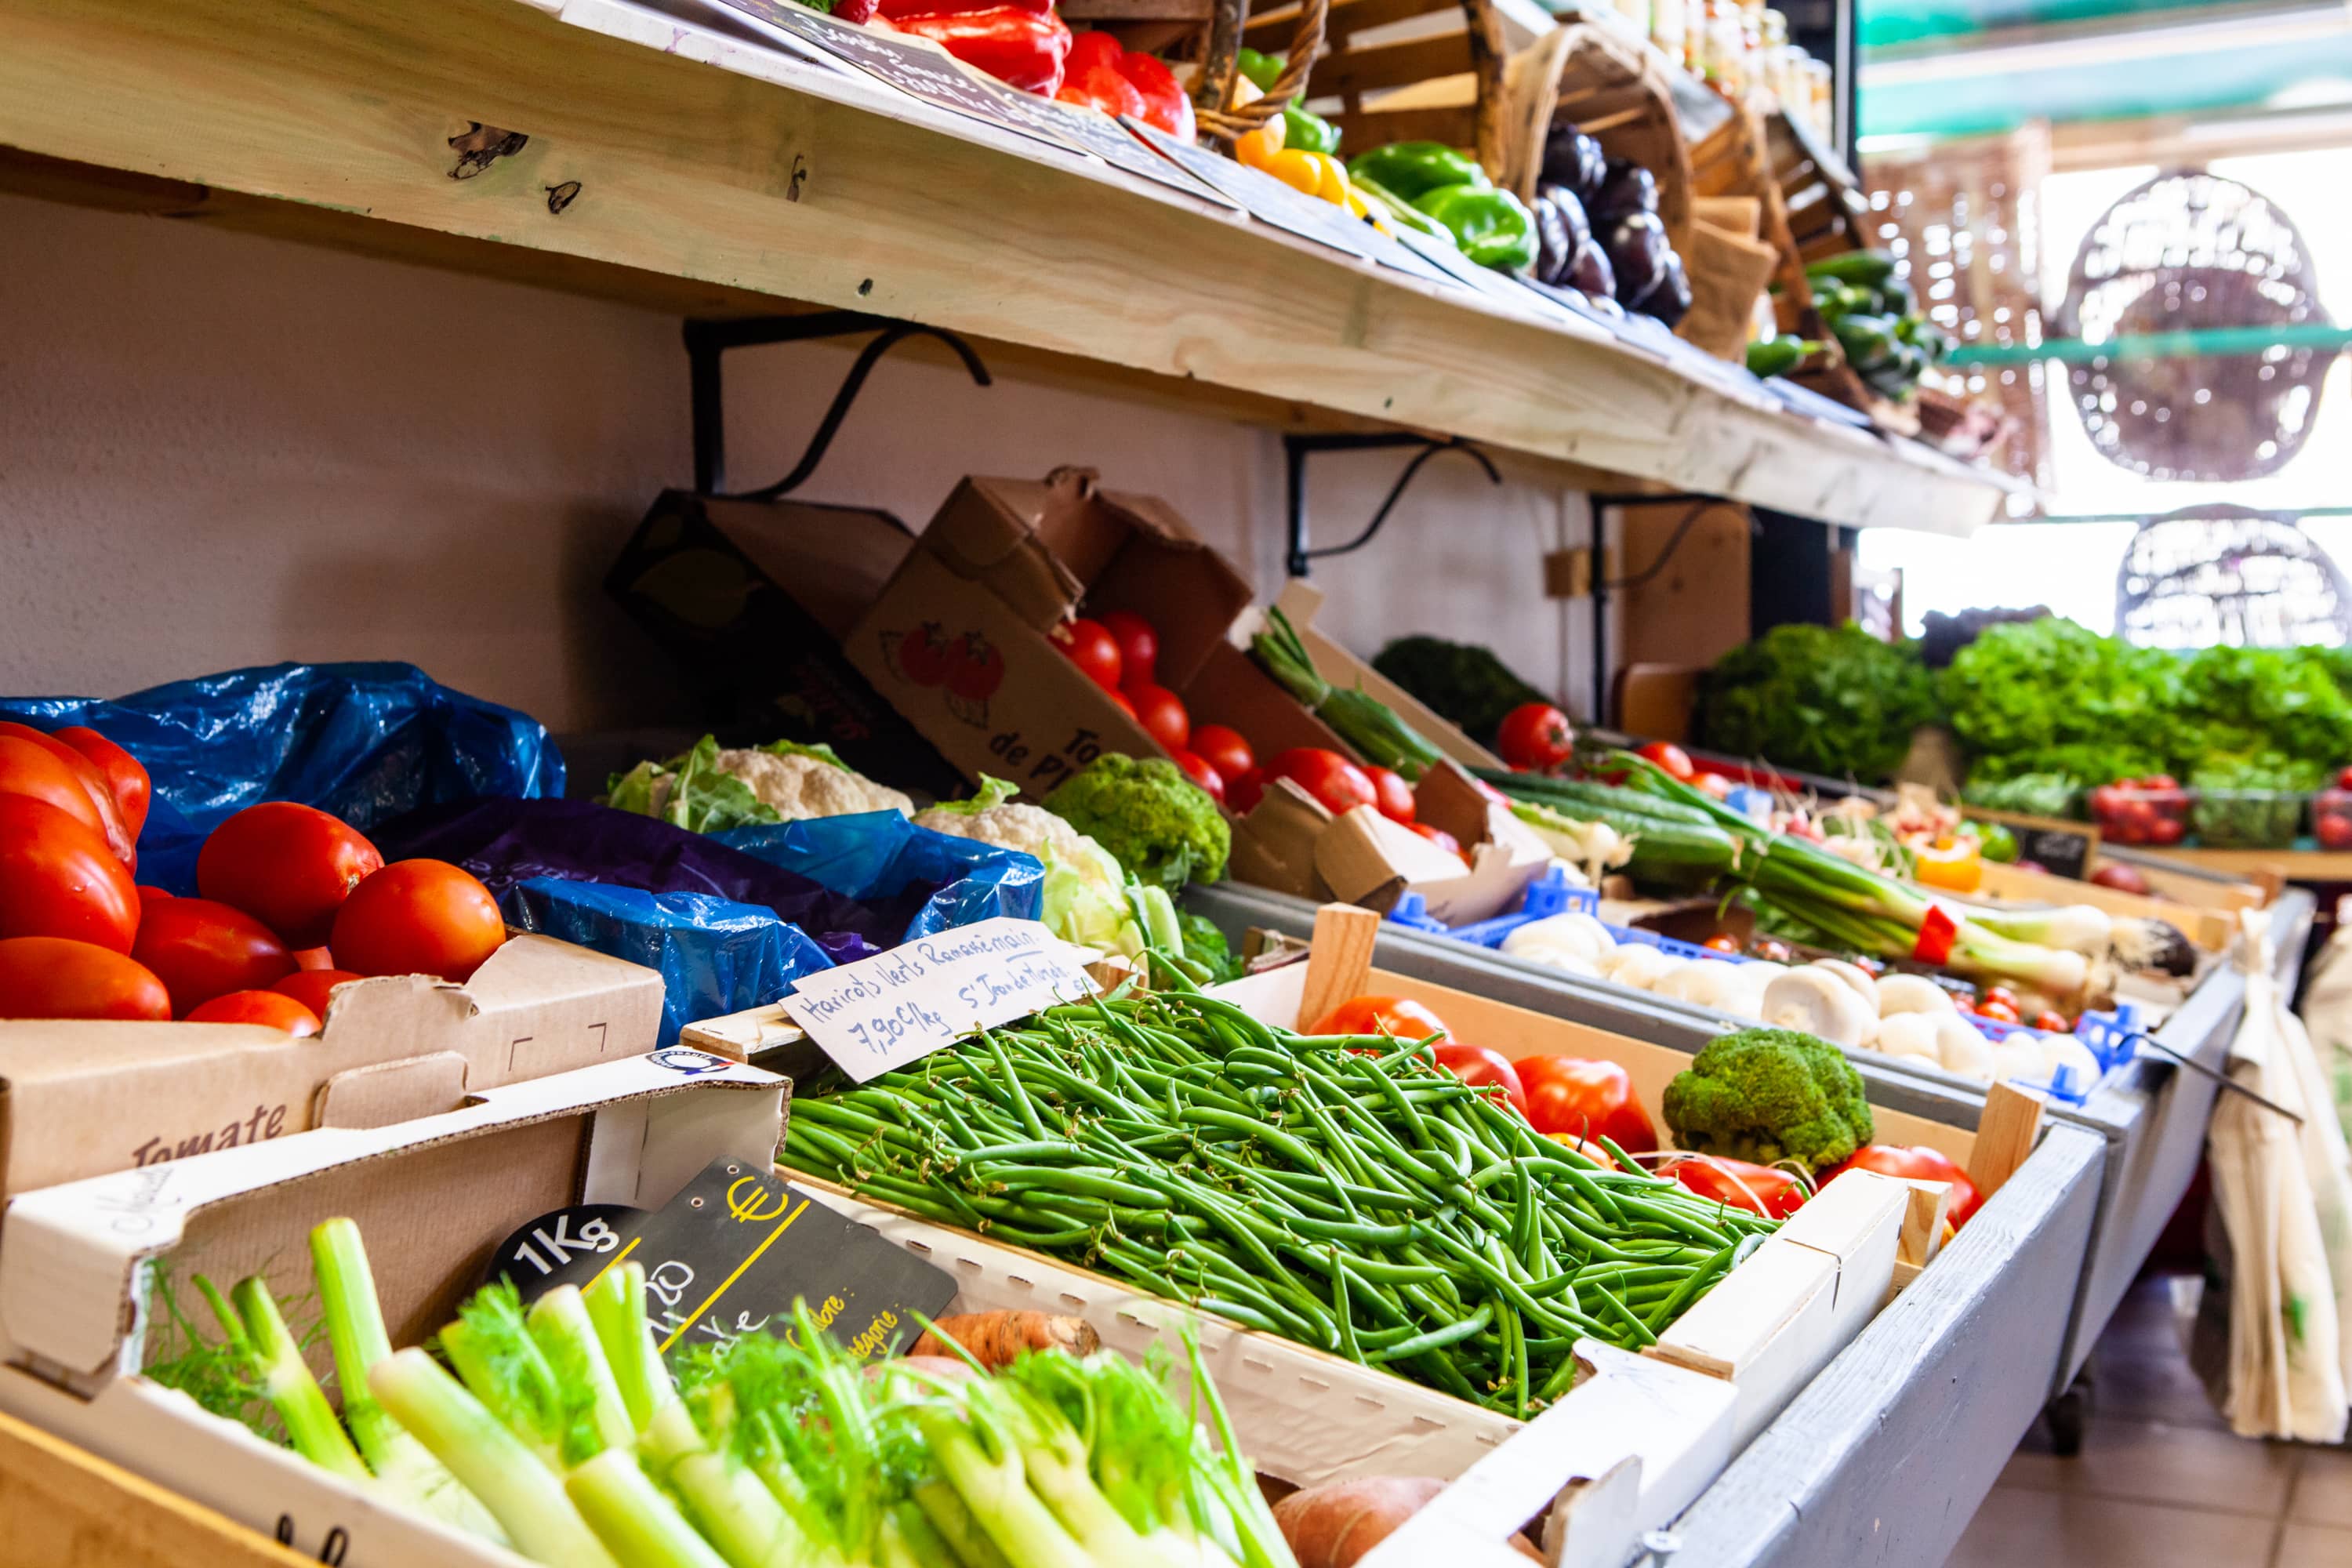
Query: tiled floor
point(2161, 1482)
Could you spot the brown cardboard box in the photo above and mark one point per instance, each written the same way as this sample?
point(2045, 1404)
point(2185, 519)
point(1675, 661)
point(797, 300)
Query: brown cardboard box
point(754, 598)
point(1293, 845)
point(82, 1099)
point(958, 640)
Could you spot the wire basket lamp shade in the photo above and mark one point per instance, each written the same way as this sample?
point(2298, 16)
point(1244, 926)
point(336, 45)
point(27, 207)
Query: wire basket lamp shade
point(2229, 574)
point(2186, 251)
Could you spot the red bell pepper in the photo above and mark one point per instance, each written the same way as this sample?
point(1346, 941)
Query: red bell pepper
point(1740, 1184)
point(1478, 1065)
point(1918, 1163)
point(1091, 76)
point(1017, 46)
point(1936, 931)
point(1165, 105)
point(1586, 1100)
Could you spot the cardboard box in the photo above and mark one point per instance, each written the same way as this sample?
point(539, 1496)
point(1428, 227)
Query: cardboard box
point(754, 599)
point(959, 639)
point(81, 1099)
point(1300, 600)
point(433, 1197)
point(1292, 843)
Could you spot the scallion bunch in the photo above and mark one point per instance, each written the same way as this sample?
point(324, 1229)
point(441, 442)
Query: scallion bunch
point(1357, 717)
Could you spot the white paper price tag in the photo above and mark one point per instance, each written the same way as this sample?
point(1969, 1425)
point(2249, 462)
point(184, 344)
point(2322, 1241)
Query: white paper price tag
point(901, 1006)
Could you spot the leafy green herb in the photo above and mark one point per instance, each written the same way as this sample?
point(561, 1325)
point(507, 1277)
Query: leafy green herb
point(1841, 702)
point(1460, 681)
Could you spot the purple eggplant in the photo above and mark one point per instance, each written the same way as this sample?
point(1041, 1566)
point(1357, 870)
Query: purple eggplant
point(1590, 272)
point(1627, 189)
point(1669, 294)
point(1637, 248)
point(1572, 159)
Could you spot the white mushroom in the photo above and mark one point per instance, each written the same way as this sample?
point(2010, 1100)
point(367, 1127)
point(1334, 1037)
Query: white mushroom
point(2018, 1056)
point(1752, 980)
point(1853, 975)
point(1907, 1035)
point(1575, 935)
point(1912, 994)
point(1639, 966)
point(1960, 1048)
point(1702, 982)
point(1818, 1004)
point(2065, 1050)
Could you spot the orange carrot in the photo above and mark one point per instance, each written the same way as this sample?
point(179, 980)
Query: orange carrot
point(1334, 1525)
point(996, 1338)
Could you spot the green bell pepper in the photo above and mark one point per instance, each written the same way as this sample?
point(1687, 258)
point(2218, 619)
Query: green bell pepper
point(1493, 228)
point(1259, 68)
point(1400, 211)
point(1994, 840)
point(1778, 356)
point(1305, 132)
point(1413, 169)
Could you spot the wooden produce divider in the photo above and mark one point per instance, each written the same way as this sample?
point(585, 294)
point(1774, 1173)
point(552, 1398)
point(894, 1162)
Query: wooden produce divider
point(696, 166)
point(63, 1507)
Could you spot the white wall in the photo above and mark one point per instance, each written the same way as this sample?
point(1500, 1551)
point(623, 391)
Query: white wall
point(218, 450)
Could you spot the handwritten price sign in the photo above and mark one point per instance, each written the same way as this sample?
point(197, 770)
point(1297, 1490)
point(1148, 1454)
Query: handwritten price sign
point(899, 1006)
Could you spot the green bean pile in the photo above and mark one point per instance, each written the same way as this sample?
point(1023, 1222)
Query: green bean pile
point(1342, 1192)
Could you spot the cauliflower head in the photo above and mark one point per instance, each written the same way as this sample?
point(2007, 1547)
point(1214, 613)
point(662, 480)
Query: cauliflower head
point(1769, 1095)
point(810, 781)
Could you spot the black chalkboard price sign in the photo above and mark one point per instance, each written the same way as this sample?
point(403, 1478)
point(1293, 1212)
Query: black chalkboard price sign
point(729, 1255)
point(2060, 847)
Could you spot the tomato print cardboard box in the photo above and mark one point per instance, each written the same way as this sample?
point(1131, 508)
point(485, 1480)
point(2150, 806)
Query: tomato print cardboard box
point(960, 640)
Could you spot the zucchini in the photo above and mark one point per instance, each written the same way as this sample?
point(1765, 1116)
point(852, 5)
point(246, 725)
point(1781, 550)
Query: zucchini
point(1570, 795)
point(1868, 268)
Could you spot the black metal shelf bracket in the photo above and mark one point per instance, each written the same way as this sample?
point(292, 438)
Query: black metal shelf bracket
point(705, 342)
point(1297, 449)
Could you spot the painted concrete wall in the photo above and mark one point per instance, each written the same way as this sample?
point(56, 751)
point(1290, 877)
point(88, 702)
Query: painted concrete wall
point(217, 450)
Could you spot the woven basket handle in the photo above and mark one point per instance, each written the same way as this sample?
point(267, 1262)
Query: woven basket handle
point(1220, 117)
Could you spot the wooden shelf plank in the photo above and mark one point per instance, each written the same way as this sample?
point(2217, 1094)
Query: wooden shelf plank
point(2292, 865)
point(62, 1507)
point(669, 163)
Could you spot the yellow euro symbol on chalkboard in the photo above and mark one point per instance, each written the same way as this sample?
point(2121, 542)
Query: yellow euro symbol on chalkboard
point(745, 1207)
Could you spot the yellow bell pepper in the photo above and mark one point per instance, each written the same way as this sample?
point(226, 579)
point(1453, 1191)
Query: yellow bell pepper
point(1949, 863)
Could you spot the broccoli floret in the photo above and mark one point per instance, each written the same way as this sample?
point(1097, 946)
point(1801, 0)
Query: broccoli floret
point(1769, 1095)
point(1161, 825)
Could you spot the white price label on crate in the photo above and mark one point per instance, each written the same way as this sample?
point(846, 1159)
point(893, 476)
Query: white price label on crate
point(899, 1006)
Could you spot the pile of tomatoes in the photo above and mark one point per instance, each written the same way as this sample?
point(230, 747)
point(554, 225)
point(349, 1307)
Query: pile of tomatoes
point(1118, 650)
point(1581, 1101)
point(294, 902)
point(2151, 810)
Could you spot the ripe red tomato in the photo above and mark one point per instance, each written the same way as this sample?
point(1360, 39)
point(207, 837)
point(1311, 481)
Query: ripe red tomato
point(2344, 778)
point(290, 867)
point(1200, 774)
point(2052, 1023)
point(1479, 1064)
point(1243, 791)
point(1399, 1017)
point(975, 668)
point(57, 878)
point(1138, 646)
point(124, 776)
point(1592, 1152)
point(923, 653)
point(1327, 775)
point(1534, 735)
point(1090, 645)
point(30, 769)
point(1161, 713)
point(418, 917)
point(1443, 840)
point(93, 783)
point(148, 894)
point(1918, 1163)
point(50, 977)
point(313, 958)
point(1586, 1098)
point(1999, 993)
point(1118, 700)
point(1672, 758)
point(2166, 830)
point(1722, 941)
point(1998, 1012)
point(1223, 750)
point(1391, 795)
point(201, 949)
point(271, 1009)
point(1738, 1184)
point(311, 986)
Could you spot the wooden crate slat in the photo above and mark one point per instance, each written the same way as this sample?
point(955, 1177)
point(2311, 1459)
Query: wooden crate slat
point(1350, 73)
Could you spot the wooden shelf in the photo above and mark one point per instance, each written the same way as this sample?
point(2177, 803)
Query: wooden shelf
point(670, 163)
point(62, 1507)
point(2292, 865)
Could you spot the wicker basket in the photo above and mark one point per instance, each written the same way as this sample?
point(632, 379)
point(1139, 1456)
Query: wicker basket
point(1443, 81)
point(1827, 217)
point(1613, 91)
point(1297, 30)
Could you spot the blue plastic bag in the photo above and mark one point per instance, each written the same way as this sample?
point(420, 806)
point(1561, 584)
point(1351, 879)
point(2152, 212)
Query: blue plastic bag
point(715, 955)
point(363, 742)
point(875, 856)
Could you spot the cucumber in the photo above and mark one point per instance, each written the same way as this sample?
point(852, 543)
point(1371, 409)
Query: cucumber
point(1570, 795)
point(1867, 268)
